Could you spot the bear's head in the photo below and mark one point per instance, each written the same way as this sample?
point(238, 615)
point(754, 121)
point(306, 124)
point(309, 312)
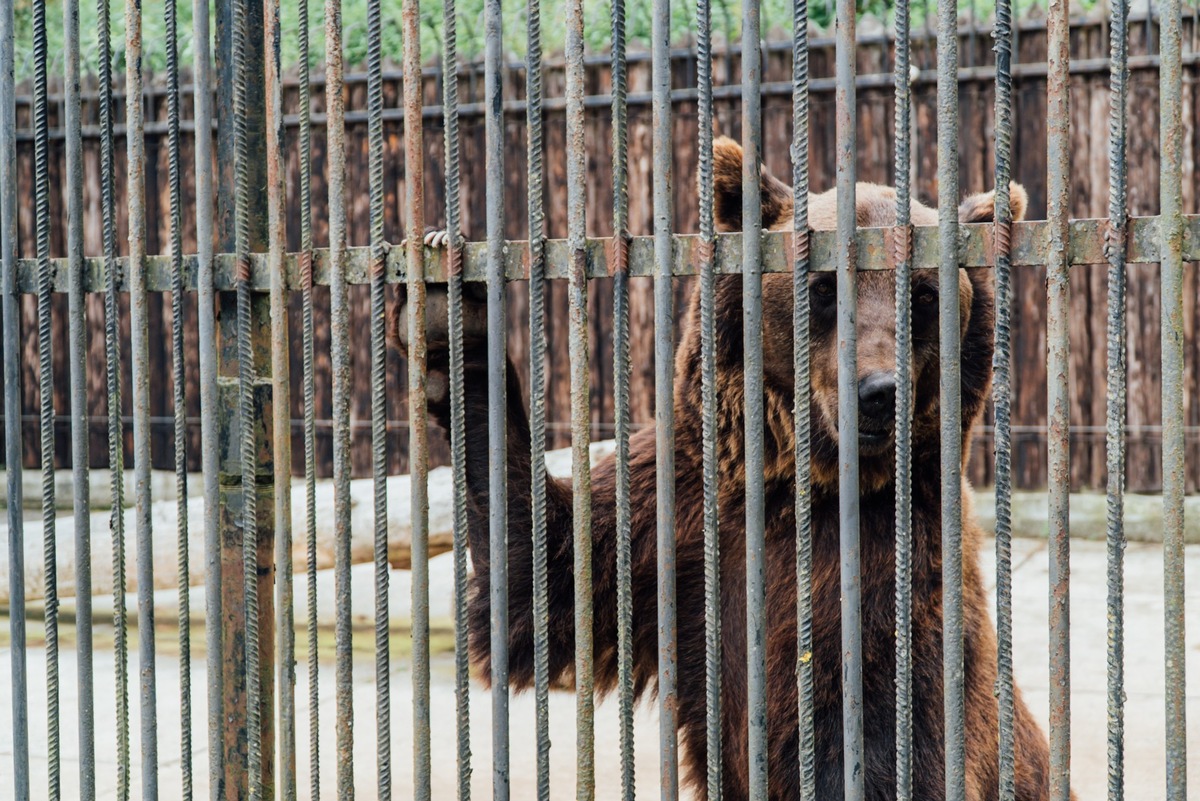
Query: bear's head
point(876, 326)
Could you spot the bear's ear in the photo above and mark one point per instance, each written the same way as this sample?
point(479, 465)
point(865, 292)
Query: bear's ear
point(727, 189)
point(981, 208)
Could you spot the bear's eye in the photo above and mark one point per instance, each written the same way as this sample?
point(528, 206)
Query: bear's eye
point(823, 289)
point(925, 296)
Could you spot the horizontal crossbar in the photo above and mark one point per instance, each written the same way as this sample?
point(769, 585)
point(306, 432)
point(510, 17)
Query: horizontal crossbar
point(1030, 247)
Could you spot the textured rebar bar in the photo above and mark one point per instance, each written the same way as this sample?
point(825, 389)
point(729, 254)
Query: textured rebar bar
point(308, 392)
point(708, 378)
point(248, 456)
point(537, 388)
point(1171, 146)
point(1058, 155)
point(116, 446)
point(207, 346)
point(281, 403)
point(801, 413)
point(77, 357)
point(1002, 399)
point(178, 399)
point(664, 404)
point(418, 428)
point(41, 205)
point(497, 360)
point(581, 473)
point(950, 404)
point(756, 621)
point(1117, 378)
point(458, 450)
point(335, 115)
point(12, 405)
point(904, 407)
point(416, 410)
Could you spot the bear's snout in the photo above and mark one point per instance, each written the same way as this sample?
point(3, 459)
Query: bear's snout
point(877, 398)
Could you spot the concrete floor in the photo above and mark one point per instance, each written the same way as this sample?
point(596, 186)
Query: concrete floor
point(1144, 711)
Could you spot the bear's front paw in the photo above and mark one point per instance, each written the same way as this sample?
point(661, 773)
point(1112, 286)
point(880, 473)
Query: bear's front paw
point(434, 238)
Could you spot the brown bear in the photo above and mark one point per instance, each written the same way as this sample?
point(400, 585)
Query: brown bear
point(876, 365)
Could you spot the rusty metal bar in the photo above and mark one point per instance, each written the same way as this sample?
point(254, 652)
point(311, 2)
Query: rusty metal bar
point(77, 357)
point(41, 203)
point(340, 324)
point(497, 394)
point(802, 362)
point(537, 391)
point(1115, 243)
point(207, 328)
point(281, 434)
point(664, 402)
point(904, 407)
point(975, 247)
point(178, 401)
point(581, 474)
point(1171, 146)
point(1002, 401)
point(847, 338)
point(756, 616)
point(12, 405)
point(1058, 157)
point(308, 391)
point(621, 376)
point(139, 346)
point(418, 429)
point(708, 371)
point(458, 451)
point(950, 406)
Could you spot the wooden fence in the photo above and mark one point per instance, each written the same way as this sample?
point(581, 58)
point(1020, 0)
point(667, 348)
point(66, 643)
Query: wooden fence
point(1089, 174)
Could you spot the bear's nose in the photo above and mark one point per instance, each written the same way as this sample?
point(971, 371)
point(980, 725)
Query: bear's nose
point(877, 396)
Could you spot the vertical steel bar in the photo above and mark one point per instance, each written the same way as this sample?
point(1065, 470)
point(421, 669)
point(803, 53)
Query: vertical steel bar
point(1115, 401)
point(458, 449)
point(847, 337)
point(664, 404)
point(708, 378)
point(537, 388)
point(12, 403)
point(904, 407)
point(179, 404)
point(207, 329)
point(581, 473)
point(951, 401)
point(1116, 392)
point(621, 376)
point(1058, 395)
point(116, 446)
point(78, 338)
point(801, 413)
point(308, 391)
point(335, 102)
point(497, 395)
point(45, 288)
point(756, 623)
point(139, 346)
point(248, 457)
point(417, 447)
point(281, 433)
point(1171, 138)
point(1002, 399)
point(418, 444)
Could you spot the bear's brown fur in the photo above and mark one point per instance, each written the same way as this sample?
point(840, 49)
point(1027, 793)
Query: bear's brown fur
point(876, 344)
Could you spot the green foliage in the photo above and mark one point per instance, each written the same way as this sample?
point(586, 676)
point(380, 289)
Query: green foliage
point(726, 14)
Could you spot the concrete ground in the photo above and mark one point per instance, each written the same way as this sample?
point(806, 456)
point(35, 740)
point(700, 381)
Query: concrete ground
point(1144, 710)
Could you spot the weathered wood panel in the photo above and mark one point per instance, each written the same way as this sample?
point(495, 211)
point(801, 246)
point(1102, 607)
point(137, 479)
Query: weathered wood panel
point(1089, 172)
